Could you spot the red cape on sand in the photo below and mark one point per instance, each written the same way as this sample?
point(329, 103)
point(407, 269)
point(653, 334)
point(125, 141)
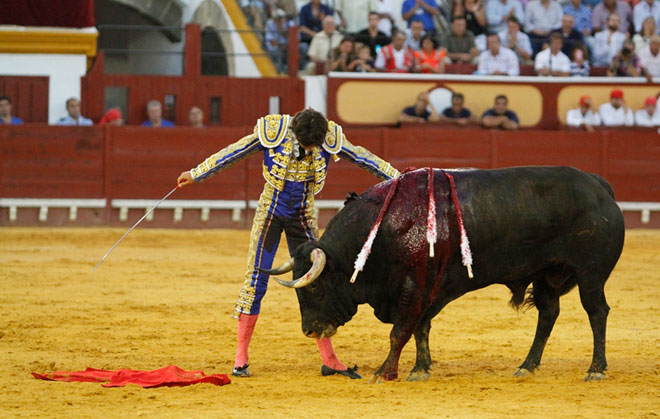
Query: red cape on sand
point(170, 376)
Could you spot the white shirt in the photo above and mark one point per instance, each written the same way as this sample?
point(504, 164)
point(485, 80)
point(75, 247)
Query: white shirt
point(355, 13)
point(643, 119)
point(616, 117)
point(68, 120)
point(322, 44)
point(559, 62)
point(649, 62)
point(606, 48)
point(574, 118)
point(642, 11)
point(384, 24)
point(538, 17)
point(399, 58)
point(506, 61)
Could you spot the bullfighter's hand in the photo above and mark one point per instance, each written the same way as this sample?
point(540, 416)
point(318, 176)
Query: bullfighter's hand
point(185, 179)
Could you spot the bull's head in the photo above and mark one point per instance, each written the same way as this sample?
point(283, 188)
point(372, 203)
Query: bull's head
point(323, 293)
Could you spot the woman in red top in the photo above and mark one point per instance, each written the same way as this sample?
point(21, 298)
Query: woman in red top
point(429, 58)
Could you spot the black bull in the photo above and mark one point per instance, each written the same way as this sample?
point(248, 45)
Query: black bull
point(549, 227)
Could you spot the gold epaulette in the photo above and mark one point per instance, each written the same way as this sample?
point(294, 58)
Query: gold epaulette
point(333, 138)
point(272, 129)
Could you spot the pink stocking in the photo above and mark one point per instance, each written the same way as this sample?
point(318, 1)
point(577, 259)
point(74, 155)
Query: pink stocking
point(246, 323)
point(328, 355)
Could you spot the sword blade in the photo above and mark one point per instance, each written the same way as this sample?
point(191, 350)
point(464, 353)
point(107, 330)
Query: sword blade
point(135, 225)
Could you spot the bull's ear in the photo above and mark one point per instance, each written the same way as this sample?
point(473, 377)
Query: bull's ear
point(350, 197)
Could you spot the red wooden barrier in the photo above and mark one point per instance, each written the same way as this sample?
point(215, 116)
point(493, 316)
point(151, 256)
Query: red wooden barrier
point(29, 96)
point(143, 163)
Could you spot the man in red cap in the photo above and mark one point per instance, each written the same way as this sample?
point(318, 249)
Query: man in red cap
point(583, 117)
point(615, 113)
point(648, 116)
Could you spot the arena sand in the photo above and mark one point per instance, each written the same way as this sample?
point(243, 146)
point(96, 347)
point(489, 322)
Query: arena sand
point(166, 297)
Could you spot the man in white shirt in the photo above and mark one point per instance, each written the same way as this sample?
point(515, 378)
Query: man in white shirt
point(497, 60)
point(516, 40)
point(644, 9)
point(648, 116)
point(615, 113)
point(395, 57)
point(541, 18)
point(608, 43)
point(74, 117)
point(551, 61)
point(649, 58)
point(583, 117)
point(354, 13)
point(322, 43)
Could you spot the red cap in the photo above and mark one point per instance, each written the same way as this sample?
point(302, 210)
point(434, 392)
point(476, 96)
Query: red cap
point(110, 116)
point(650, 101)
point(583, 101)
point(616, 94)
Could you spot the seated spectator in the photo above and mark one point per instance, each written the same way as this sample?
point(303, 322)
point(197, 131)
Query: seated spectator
point(322, 43)
point(583, 117)
point(649, 58)
point(429, 59)
point(5, 113)
point(608, 43)
point(364, 63)
point(644, 9)
point(643, 38)
point(601, 12)
point(343, 57)
point(423, 10)
point(474, 13)
point(419, 112)
point(626, 63)
point(276, 38)
point(395, 57)
point(371, 36)
point(353, 14)
point(414, 34)
point(112, 117)
point(551, 61)
point(614, 113)
point(570, 36)
point(648, 116)
point(255, 12)
point(289, 7)
point(581, 16)
point(579, 62)
point(460, 42)
point(499, 116)
point(457, 113)
point(310, 23)
point(74, 117)
point(498, 13)
point(196, 117)
point(541, 18)
point(498, 60)
point(385, 14)
point(155, 115)
point(516, 40)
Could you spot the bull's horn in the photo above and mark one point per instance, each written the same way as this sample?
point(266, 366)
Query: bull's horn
point(318, 263)
point(286, 267)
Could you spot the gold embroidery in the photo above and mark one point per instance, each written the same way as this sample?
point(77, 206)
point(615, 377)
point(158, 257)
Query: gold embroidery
point(272, 129)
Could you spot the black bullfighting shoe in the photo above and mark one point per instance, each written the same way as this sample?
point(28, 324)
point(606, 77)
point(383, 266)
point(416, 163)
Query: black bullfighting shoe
point(350, 372)
point(241, 371)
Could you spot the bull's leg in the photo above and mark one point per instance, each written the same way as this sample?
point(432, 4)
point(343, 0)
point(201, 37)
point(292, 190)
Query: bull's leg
point(423, 364)
point(546, 300)
point(399, 336)
point(594, 303)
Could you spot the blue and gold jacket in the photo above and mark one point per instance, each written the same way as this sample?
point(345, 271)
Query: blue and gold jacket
point(273, 136)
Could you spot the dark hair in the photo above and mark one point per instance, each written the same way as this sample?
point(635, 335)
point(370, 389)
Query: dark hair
point(309, 127)
point(458, 95)
point(506, 99)
point(458, 17)
point(3, 97)
point(373, 12)
point(580, 45)
point(489, 34)
point(514, 19)
point(556, 35)
point(432, 39)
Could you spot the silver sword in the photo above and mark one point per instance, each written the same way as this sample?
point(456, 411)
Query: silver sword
point(135, 225)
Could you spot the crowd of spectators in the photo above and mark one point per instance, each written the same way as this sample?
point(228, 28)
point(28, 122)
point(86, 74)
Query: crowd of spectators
point(614, 113)
point(610, 37)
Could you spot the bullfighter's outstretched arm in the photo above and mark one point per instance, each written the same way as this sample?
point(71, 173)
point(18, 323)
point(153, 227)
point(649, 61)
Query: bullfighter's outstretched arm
point(367, 160)
point(226, 157)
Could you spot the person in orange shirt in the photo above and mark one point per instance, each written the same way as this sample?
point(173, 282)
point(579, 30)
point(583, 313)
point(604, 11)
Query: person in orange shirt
point(429, 59)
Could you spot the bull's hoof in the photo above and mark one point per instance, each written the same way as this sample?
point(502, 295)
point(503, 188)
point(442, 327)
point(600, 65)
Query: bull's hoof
point(376, 379)
point(523, 373)
point(419, 375)
point(594, 376)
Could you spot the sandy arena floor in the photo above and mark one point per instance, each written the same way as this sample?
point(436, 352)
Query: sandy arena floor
point(166, 297)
